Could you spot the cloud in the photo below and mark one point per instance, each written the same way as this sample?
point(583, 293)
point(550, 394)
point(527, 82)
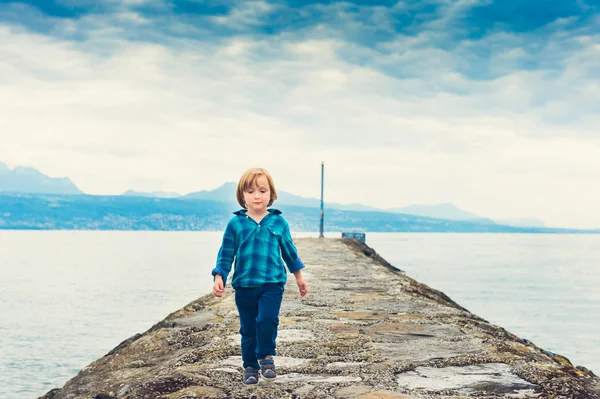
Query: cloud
point(404, 102)
point(251, 13)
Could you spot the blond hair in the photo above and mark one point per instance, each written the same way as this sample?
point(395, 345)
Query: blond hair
point(248, 179)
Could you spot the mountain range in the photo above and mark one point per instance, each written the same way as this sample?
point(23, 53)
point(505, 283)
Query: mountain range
point(226, 193)
point(31, 181)
point(124, 212)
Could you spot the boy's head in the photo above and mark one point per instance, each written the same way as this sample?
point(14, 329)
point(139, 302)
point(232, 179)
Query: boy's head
point(248, 180)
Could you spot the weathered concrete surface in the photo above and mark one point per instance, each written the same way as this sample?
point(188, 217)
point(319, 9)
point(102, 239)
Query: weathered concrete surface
point(364, 331)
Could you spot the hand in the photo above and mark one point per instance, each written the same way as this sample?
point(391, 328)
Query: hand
point(218, 286)
point(302, 286)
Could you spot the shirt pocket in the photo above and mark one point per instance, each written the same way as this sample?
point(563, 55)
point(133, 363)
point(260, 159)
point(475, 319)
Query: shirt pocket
point(270, 234)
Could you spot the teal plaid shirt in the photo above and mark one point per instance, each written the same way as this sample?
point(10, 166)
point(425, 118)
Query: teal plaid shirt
point(257, 249)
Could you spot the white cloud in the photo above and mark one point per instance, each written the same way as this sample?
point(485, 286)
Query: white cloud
point(246, 13)
point(187, 115)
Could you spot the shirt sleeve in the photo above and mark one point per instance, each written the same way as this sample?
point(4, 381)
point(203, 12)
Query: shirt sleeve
point(226, 253)
point(289, 252)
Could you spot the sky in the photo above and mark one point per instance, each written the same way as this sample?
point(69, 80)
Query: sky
point(493, 106)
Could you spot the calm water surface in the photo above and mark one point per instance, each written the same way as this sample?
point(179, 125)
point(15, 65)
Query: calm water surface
point(68, 298)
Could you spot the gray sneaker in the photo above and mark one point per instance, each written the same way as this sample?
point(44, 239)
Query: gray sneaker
point(267, 368)
point(250, 376)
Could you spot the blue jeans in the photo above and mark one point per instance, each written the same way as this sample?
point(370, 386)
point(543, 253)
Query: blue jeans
point(259, 318)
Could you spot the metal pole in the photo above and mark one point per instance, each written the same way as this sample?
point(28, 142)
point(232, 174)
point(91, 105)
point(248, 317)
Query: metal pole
point(322, 214)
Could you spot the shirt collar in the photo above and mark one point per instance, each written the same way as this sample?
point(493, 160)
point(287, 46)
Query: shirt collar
point(242, 212)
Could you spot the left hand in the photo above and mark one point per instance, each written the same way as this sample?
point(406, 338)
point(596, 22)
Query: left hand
point(302, 286)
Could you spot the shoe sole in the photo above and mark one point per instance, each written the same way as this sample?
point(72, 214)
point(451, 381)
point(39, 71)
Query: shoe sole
point(267, 379)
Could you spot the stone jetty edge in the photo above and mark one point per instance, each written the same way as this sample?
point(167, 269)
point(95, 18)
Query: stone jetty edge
point(363, 327)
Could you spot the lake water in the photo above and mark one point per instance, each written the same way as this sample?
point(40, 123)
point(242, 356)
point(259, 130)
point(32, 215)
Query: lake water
point(69, 297)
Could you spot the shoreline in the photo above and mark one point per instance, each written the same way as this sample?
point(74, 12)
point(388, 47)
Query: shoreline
point(364, 329)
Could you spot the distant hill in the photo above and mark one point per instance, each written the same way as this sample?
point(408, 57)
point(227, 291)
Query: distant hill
point(522, 222)
point(29, 180)
point(153, 194)
point(292, 199)
point(226, 193)
point(223, 193)
point(443, 211)
point(91, 212)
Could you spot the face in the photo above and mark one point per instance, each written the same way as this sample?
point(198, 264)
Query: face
point(258, 196)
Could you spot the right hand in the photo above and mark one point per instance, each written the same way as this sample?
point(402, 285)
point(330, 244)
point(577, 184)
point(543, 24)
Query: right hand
point(218, 286)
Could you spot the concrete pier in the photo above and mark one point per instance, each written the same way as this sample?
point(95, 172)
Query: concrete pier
point(365, 330)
